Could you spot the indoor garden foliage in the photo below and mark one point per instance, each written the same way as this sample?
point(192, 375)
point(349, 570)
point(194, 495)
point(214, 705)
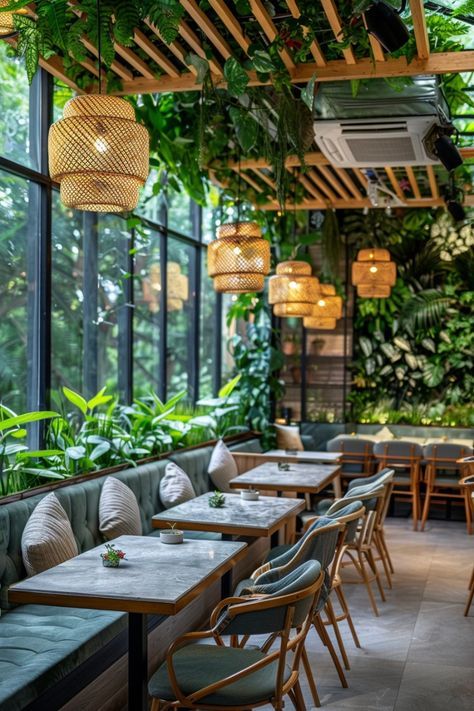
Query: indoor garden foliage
point(413, 352)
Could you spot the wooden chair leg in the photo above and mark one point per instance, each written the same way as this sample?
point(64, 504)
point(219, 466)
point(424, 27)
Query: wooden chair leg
point(310, 678)
point(426, 507)
point(345, 608)
point(320, 629)
point(373, 567)
point(416, 505)
point(155, 705)
point(381, 552)
point(299, 699)
point(387, 553)
point(366, 580)
point(469, 601)
point(333, 621)
point(467, 506)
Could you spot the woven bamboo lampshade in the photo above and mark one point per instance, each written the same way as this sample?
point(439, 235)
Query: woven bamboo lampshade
point(325, 324)
point(292, 290)
point(99, 154)
point(177, 288)
point(374, 273)
point(7, 26)
point(239, 258)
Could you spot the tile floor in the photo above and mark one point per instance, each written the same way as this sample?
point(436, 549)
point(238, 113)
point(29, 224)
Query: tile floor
point(419, 654)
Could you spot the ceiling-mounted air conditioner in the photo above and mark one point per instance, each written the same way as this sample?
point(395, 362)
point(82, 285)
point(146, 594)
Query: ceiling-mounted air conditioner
point(380, 126)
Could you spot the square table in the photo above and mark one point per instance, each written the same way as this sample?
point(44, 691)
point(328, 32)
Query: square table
point(155, 578)
point(309, 456)
point(299, 478)
point(264, 517)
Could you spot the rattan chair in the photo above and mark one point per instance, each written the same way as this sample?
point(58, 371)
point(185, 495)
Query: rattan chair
point(442, 476)
point(468, 483)
point(217, 676)
point(357, 459)
point(405, 458)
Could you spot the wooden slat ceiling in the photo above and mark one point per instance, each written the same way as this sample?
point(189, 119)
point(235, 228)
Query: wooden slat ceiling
point(152, 66)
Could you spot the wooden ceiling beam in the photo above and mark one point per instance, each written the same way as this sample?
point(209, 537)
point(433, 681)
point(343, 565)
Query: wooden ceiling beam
point(209, 29)
point(271, 32)
point(417, 10)
point(184, 82)
point(360, 177)
point(311, 158)
point(338, 70)
point(55, 66)
point(352, 204)
point(347, 180)
point(377, 49)
point(334, 19)
point(332, 180)
point(134, 60)
point(117, 67)
point(193, 41)
point(413, 182)
point(248, 179)
point(314, 47)
point(154, 53)
point(433, 183)
point(308, 185)
point(314, 177)
point(225, 15)
point(395, 183)
point(266, 178)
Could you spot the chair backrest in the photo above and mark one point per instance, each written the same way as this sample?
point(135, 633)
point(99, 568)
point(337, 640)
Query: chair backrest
point(349, 515)
point(441, 458)
point(396, 452)
point(318, 543)
point(378, 478)
point(356, 454)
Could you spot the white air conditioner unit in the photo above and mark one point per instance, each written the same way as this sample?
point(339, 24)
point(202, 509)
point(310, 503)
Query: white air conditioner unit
point(375, 142)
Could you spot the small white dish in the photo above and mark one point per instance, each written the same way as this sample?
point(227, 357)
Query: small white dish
point(249, 495)
point(171, 537)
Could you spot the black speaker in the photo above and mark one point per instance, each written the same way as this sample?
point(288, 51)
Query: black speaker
point(456, 210)
point(384, 23)
point(447, 152)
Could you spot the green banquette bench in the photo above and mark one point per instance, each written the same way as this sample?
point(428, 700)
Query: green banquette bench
point(48, 654)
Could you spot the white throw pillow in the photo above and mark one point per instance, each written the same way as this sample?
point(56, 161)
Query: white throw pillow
point(175, 487)
point(288, 437)
point(384, 434)
point(119, 514)
point(47, 538)
point(222, 467)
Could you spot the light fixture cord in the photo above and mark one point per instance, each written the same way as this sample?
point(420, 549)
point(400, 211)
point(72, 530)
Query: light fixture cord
point(238, 190)
point(99, 45)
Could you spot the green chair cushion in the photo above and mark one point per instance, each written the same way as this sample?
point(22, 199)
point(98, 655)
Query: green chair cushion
point(198, 665)
point(249, 445)
point(40, 645)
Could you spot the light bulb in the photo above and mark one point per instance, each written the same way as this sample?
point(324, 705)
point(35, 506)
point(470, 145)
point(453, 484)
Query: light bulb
point(293, 284)
point(101, 145)
point(371, 255)
point(321, 302)
point(237, 250)
point(373, 270)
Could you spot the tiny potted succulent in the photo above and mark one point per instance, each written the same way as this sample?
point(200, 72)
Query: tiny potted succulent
point(112, 556)
point(217, 500)
point(249, 494)
point(171, 535)
point(283, 466)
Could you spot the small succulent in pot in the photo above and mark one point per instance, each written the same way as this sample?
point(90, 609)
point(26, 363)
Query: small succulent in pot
point(171, 535)
point(283, 466)
point(112, 556)
point(217, 500)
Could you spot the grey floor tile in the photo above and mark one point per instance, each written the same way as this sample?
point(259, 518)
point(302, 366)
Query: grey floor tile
point(436, 687)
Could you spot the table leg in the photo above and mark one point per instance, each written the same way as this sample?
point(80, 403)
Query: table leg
point(336, 485)
point(226, 584)
point(275, 539)
point(137, 662)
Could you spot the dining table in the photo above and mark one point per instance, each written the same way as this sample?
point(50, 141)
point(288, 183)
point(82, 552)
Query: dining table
point(154, 578)
point(299, 478)
point(295, 456)
point(237, 518)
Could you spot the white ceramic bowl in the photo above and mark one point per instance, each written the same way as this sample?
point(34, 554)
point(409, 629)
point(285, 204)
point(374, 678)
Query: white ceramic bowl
point(247, 495)
point(171, 537)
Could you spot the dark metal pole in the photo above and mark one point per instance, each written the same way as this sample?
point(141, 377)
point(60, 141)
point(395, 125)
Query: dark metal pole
point(125, 321)
point(195, 292)
point(90, 383)
point(163, 323)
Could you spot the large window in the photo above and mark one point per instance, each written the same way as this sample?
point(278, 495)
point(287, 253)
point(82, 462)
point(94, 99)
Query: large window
point(91, 300)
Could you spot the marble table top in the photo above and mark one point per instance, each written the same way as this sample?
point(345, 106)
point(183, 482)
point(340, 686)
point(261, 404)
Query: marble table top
point(237, 517)
point(155, 578)
point(303, 478)
point(303, 456)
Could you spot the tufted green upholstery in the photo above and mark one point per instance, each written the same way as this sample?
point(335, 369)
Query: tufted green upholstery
point(249, 445)
point(39, 645)
point(44, 644)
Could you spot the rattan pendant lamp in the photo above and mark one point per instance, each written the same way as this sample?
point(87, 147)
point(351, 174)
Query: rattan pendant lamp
point(7, 25)
point(326, 311)
point(98, 152)
point(374, 273)
point(239, 259)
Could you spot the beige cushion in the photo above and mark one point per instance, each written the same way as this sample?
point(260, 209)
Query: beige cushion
point(47, 538)
point(222, 467)
point(383, 435)
point(175, 487)
point(119, 514)
point(288, 438)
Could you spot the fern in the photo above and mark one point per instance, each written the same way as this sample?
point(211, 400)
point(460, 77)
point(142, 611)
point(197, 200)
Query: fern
point(52, 19)
point(127, 17)
point(425, 310)
point(28, 43)
point(165, 15)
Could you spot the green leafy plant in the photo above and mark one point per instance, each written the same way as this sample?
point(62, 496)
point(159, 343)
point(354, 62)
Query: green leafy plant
point(217, 500)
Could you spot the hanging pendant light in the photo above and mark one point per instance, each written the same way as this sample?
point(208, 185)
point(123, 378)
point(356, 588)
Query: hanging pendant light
point(326, 311)
point(177, 285)
point(98, 152)
point(292, 290)
point(239, 259)
point(7, 25)
point(374, 273)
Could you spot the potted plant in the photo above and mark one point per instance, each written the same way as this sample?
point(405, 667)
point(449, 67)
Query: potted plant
point(289, 343)
point(217, 500)
point(112, 556)
point(171, 535)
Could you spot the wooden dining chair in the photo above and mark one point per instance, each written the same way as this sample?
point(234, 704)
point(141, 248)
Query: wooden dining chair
point(468, 483)
point(442, 477)
point(210, 670)
point(357, 458)
point(405, 458)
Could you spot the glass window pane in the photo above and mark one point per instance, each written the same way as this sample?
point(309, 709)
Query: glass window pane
point(207, 319)
point(227, 333)
point(180, 358)
point(146, 315)
point(14, 226)
point(180, 209)
point(67, 297)
point(14, 110)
